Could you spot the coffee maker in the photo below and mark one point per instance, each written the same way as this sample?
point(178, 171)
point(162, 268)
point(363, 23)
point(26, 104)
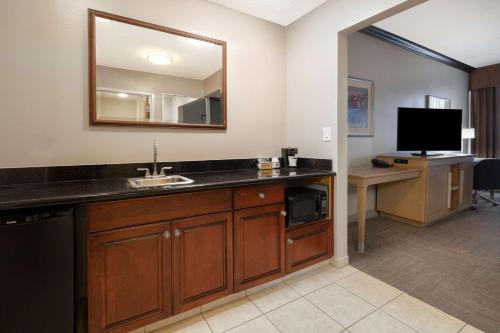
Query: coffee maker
point(285, 152)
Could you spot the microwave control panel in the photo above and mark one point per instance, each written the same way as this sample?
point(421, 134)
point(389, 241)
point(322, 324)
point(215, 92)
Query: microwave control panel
point(323, 205)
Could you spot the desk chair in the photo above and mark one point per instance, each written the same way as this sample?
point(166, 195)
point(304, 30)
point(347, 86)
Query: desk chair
point(486, 178)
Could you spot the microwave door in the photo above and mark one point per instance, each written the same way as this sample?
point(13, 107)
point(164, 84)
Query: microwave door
point(302, 210)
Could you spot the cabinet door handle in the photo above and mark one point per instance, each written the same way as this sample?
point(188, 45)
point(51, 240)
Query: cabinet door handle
point(177, 233)
point(283, 213)
point(289, 241)
point(449, 191)
point(461, 193)
point(262, 195)
point(166, 234)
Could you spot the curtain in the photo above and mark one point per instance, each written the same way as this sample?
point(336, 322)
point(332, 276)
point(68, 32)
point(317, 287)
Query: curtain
point(485, 116)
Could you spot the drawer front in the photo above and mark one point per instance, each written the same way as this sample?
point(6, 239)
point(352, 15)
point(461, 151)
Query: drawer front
point(308, 245)
point(259, 195)
point(123, 213)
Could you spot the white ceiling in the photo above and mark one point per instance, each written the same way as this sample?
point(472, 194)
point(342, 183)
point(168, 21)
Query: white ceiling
point(465, 30)
point(281, 12)
point(125, 46)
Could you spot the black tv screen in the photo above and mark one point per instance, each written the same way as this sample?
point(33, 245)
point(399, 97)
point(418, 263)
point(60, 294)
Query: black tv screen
point(429, 129)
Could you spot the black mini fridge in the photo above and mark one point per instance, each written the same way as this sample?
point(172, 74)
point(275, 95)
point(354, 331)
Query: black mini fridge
point(37, 272)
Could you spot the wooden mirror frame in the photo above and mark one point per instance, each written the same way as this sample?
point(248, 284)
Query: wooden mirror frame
point(92, 15)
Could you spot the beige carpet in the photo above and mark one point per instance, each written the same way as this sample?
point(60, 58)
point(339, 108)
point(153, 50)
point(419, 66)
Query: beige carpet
point(453, 265)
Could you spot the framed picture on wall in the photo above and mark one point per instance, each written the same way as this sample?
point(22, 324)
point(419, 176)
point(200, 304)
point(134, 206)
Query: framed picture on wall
point(434, 102)
point(360, 107)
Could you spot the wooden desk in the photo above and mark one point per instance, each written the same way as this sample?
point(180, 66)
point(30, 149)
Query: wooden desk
point(362, 177)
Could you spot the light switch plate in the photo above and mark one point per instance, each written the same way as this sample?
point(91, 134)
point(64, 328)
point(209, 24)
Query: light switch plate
point(327, 134)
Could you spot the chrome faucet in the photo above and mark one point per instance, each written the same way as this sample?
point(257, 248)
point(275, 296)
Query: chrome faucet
point(155, 173)
point(155, 157)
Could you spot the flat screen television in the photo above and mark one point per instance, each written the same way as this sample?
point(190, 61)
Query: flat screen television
point(429, 130)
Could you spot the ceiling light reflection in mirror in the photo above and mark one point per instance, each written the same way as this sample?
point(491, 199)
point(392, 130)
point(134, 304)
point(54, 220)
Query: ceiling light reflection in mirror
point(132, 58)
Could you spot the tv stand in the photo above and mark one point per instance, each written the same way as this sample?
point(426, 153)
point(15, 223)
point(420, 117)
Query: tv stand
point(443, 188)
point(423, 153)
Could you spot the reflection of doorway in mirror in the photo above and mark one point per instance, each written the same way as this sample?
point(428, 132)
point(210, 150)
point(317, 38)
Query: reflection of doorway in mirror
point(123, 105)
point(195, 112)
point(192, 110)
point(170, 106)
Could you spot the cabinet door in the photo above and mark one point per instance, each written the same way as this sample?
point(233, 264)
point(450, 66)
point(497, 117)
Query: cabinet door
point(259, 245)
point(202, 259)
point(466, 183)
point(438, 192)
point(307, 245)
point(129, 277)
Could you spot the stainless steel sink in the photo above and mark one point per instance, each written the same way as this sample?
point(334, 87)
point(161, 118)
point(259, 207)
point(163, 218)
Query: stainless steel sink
point(173, 180)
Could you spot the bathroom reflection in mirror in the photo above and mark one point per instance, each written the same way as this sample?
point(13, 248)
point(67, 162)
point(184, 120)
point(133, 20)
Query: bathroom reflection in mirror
point(142, 74)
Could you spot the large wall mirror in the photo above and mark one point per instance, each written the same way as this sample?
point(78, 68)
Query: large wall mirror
point(142, 74)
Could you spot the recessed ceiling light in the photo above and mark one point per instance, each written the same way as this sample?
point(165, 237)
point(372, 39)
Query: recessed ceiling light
point(122, 95)
point(102, 19)
point(159, 58)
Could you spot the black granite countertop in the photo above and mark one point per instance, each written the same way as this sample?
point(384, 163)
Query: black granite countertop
point(89, 190)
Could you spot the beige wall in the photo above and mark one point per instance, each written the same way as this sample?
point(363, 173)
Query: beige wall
point(212, 83)
point(313, 58)
point(116, 108)
point(401, 78)
point(44, 94)
point(273, 74)
point(312, 66)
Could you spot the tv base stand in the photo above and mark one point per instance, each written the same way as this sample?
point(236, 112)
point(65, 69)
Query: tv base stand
point(423, 153)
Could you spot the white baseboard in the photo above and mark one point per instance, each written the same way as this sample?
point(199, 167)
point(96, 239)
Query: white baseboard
point(369, 215)
point(340, 262)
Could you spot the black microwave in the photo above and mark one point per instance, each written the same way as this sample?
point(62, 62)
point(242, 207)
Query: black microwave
point(304, 204)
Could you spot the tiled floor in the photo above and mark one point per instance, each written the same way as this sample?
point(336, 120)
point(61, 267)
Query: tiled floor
point(326, 299)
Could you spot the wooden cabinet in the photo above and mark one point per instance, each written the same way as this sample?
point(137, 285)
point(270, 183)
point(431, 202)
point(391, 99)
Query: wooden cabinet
point(438, 192)
point(129, 277)
point(133, 267)
point(443, 188)
point(466, 183)
point(307, 245)
point(259, 245)
point(202, 249)
point(149, 258)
